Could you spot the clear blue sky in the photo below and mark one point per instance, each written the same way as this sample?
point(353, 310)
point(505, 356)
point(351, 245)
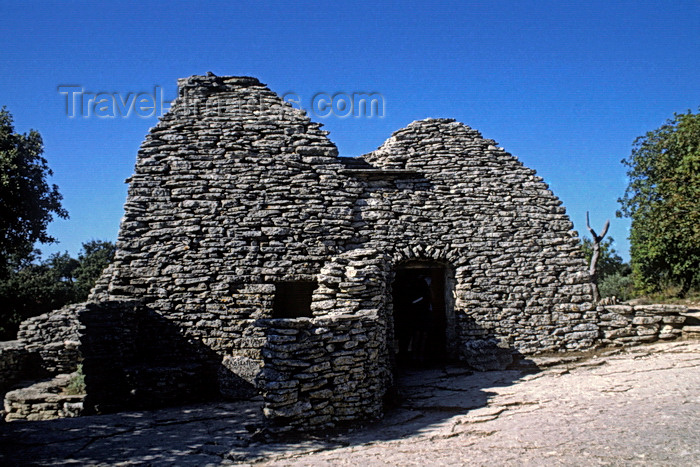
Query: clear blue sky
point(564, 85)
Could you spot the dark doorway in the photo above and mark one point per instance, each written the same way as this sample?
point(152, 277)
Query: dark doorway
point(420, 293)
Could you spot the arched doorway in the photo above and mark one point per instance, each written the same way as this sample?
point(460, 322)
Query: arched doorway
point(423, 314)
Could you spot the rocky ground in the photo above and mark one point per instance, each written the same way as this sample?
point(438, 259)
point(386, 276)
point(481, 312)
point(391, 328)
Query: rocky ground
point(622, 407)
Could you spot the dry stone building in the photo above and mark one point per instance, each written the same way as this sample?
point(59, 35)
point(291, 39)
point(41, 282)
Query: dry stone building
point(252, 260)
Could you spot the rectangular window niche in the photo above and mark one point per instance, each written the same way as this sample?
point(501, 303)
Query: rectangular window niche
point(293, 299)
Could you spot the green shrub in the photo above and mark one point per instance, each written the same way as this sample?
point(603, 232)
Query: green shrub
point(617, 285)
point(76, 385)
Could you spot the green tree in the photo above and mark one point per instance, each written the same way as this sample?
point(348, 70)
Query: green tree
point(33, 287)
point(617, 285)
point(93, 259)
point(663, 201)
point(27, 202)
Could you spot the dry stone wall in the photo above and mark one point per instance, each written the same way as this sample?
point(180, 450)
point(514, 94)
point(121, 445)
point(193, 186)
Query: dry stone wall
point(16, 363)
point(320, 372)
point(334, 367)
point(55, 337)
point(624, 325)
point(233, 191)
point(44, 400)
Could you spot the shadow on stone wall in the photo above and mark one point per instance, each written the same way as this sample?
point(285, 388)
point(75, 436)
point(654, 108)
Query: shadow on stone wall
point(18, 364)
point(328, 371)
point(135, 358)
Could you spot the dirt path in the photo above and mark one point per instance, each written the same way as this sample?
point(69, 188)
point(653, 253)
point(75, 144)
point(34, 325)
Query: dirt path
point(641, 406)
point(636, 406)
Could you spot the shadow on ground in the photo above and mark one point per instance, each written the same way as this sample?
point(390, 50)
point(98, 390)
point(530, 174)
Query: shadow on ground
point(229, 431)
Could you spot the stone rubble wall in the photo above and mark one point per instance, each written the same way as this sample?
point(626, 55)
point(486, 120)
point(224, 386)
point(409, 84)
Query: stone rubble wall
point(108, 345)
point(354, 281)
point(112, 340)
point(125, 365)
point(234, 191)
point(17, 363)
point(321, 372)
point(333, 368)
point(314, 368)
point(624, 325)
point(47, 345)
point(56, 337)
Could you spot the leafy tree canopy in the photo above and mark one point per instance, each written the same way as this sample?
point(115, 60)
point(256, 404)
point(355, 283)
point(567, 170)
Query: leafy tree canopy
point(94, 257)
point(34, 287)
point(27, 201)
point(663, 201)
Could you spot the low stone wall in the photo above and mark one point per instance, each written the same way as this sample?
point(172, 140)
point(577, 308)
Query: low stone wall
point(56, 337)
point(43, 401)
point(16, 363)
point(624, 325)
point(333, 368)
point(316, 373)
point(110, 339)
point(321, 372)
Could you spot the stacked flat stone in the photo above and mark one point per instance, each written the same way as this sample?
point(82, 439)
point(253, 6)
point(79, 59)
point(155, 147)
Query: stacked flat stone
point(16, 363)
point(43, 401)
point(335, 367)
point(235, 192)
point(520, 275)
point(55, 337)
point(624, 325)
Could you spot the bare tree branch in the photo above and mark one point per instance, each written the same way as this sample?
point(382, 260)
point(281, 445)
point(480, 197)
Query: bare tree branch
point(597, 239)
point(605, 229)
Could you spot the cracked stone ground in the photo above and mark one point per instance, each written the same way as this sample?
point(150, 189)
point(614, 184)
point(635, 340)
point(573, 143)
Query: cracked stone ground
point(622, 407)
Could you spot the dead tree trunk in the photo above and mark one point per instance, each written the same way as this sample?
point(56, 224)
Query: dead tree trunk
point(596, 253)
